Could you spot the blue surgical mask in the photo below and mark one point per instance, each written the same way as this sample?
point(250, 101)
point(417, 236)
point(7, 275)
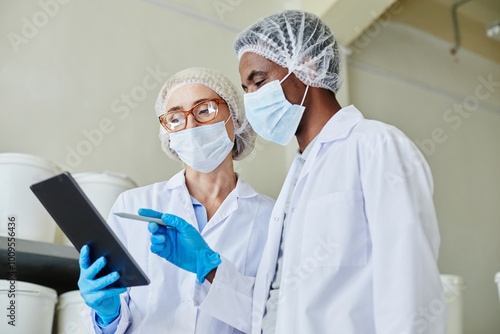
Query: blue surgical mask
point(271, 115)
point(202, 148)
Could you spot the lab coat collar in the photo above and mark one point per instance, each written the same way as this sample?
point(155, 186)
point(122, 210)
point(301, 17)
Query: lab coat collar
point(337, 128)
point(230, 204)
point(242, 189)
point(177, 180)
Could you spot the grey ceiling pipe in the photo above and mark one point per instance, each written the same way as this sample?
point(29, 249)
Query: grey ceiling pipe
point(454, 10)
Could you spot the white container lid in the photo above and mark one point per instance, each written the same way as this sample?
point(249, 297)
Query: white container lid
point(28, 159)
point(70, 297)
point(28, 289)
point(453, 280)
point(106, 177)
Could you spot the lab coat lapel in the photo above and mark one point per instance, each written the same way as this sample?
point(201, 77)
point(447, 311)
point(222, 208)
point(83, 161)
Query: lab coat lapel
point(187, 205)
point(177, 202)
point(183, 206)
point(230, 204)
point(267, 266)
point(227, 207)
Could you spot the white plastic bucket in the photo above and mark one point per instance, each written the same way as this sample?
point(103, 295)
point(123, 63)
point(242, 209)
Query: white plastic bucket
point(69, 308)
point(497, 281)
point(17, 172)
point(453, 289)
point(31, 307)
point(102, 189)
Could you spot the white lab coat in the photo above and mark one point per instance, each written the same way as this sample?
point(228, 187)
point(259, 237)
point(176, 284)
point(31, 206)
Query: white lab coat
point(238, 230)
point(361, 242)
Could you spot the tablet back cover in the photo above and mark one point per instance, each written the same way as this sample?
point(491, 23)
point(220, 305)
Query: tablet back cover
point(83, 225)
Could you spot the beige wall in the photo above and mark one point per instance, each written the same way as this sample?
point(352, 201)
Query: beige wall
point(407, 78)
point(94, 68)
point(435, 18)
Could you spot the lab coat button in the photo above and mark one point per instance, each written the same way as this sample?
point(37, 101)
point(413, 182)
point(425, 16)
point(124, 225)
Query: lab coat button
point(276, 219)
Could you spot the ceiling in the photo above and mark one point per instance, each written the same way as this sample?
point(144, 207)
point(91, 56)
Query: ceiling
point(484, 11)
point(350, 18)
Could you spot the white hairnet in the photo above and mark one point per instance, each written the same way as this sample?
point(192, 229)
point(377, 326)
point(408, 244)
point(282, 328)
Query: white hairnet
point(296, 40)
point(244, 136)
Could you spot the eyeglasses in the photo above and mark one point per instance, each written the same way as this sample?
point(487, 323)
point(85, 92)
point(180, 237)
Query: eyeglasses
point(202, 112)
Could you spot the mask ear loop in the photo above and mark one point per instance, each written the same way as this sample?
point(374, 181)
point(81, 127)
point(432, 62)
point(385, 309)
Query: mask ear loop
point(305, 94)
point(286, 76)
point(234, 135)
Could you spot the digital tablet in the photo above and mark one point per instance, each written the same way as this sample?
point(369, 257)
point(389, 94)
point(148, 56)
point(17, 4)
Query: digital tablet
point(83, 225)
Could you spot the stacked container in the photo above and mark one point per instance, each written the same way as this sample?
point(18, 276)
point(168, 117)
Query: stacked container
point(30, 306)
point(18, 203)
point(453, 289)
point(69, 309)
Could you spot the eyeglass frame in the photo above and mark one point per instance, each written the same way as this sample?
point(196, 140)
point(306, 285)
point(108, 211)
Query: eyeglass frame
point(217, 101)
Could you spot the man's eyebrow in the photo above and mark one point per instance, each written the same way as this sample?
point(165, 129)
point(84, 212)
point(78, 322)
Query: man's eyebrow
point(255, 73)
point(194, 103)
point(252, 75)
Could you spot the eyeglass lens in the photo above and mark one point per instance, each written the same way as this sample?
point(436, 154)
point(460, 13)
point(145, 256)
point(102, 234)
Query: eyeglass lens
point(203, 112)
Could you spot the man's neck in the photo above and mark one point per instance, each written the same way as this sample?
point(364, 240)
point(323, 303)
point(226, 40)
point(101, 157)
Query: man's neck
point(320, 107)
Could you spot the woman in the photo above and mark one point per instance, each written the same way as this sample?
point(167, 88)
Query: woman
point(203, 124)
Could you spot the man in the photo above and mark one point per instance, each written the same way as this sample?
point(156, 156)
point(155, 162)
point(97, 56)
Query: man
point(353, 238)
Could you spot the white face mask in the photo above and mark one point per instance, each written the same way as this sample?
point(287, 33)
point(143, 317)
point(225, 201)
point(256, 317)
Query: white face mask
point(202, 148)
point(271, 115)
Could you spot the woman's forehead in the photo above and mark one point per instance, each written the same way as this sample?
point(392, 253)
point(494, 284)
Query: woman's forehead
point(186, 95)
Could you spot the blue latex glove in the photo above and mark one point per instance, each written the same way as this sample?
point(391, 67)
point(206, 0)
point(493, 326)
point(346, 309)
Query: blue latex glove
point(105, 302)
point(182, 246)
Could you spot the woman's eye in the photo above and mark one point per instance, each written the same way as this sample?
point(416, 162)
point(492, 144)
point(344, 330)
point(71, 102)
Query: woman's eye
point(175, 120)
point(203, 111)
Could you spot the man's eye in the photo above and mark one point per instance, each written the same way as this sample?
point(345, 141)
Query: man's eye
point(258, 84)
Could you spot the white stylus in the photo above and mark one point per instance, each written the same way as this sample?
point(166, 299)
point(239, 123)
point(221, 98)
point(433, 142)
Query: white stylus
point(143, 218)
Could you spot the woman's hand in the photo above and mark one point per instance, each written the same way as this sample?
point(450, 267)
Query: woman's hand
point(182, 246)
point(105, 302)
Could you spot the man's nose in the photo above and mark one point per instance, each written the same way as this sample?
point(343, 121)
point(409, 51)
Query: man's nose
point(251, 89)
